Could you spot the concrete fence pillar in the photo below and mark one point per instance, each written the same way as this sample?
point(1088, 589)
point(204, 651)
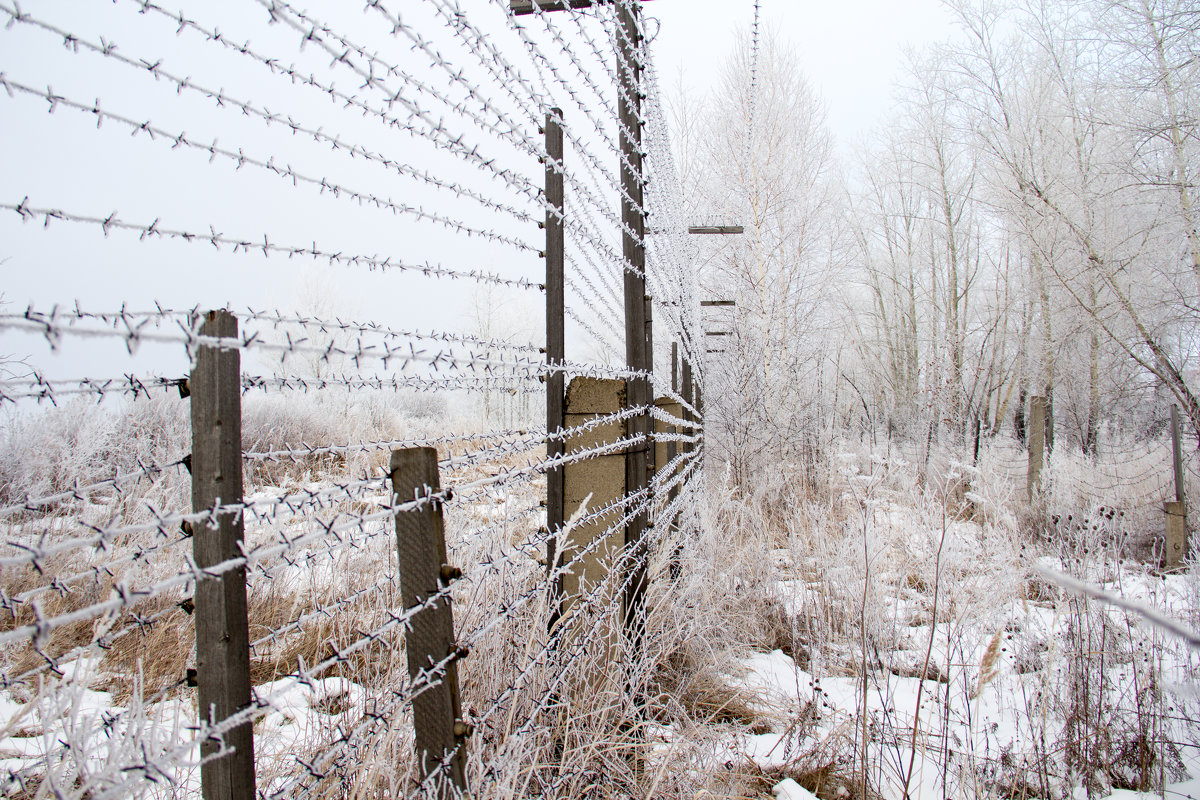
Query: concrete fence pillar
point(599, 480)
point(1175, 546)
point(1036, 439)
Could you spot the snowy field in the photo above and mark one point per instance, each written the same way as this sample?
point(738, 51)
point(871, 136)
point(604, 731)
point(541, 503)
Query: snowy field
point(887, 631)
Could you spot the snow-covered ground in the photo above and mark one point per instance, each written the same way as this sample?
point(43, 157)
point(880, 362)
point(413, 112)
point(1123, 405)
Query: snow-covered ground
point(937, 660)
point(889, 631)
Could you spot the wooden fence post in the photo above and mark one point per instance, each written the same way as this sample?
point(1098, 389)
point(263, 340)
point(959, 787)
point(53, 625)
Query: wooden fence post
point(555, 340)
point(1036, 438)
point(652, 462)
point(633, 245)
point(1175, 546)
point(429, 641)
point(686, 390)
point(222, 627)
point(1177, 453)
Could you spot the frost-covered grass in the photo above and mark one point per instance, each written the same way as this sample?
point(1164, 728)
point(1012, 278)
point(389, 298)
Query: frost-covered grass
point(879, 633)
point(919, 653)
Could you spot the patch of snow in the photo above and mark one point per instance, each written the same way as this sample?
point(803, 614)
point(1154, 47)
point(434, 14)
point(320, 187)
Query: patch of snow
point(775, 682)
point(788, 789)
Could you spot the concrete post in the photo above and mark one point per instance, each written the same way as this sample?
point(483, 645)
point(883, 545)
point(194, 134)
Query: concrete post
point(1175, 547)
point(601, 477)
point(1036, 439)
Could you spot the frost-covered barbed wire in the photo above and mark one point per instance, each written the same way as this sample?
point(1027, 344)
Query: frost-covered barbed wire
point(34, 549)
point(41, 389)
point(602, 597)
point(608, 114)
point(286, 172)
point(99, 565)
point(625, 570)
point(317, 32)
point(134, 328)
point(262, 509)
point(520, 384)
point(83, 493)
point(340, 654)
point(154, 230)
point(307, 451)
point(492, 61)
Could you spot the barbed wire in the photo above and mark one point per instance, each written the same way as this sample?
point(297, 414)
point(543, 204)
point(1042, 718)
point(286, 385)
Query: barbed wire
point(82, 493)
point(103, 561)
point(317, 32)
point(134, 328)
point(221, 99)
point(586, 603)
point(436, 672)
point(153, 230)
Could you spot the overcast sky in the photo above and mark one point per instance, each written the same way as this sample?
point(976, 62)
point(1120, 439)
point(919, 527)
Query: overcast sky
point(852, 52)
point(62, 160)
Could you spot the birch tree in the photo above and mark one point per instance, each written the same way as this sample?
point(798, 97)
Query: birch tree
point(777, 183)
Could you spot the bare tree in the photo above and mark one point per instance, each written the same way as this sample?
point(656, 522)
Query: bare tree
point(777, 181)
point(1045, 107)
point(934, 324)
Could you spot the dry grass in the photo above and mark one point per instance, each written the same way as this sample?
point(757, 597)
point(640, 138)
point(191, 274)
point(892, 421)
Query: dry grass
point(781, 570)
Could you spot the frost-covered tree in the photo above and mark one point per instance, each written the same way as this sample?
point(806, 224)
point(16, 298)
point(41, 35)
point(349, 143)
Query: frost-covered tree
point(1081, 114)
point(774, 178)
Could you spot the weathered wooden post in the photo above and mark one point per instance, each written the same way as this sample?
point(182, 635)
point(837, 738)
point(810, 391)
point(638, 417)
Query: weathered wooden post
point(1036, 438)
point(1175, 545)
point(653, 462)
point(222, 627)
point(555, 336)
point(688, 393)
point(429, 642)
point(633, 244)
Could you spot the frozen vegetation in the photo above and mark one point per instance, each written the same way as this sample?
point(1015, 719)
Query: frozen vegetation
point(879, 622)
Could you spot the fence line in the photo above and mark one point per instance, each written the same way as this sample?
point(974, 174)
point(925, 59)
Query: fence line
point(99, 592)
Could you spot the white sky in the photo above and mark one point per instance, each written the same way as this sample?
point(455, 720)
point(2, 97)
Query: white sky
point(852, 55)
point(851, 52)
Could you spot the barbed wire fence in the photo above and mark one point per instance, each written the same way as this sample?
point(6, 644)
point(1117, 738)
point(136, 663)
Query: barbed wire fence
point(239, 617)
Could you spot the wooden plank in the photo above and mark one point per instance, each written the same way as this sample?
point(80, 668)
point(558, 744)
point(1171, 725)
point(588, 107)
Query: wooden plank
point(523, 7)
point(716, 230)
point(222, 630)
point(421, 547)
